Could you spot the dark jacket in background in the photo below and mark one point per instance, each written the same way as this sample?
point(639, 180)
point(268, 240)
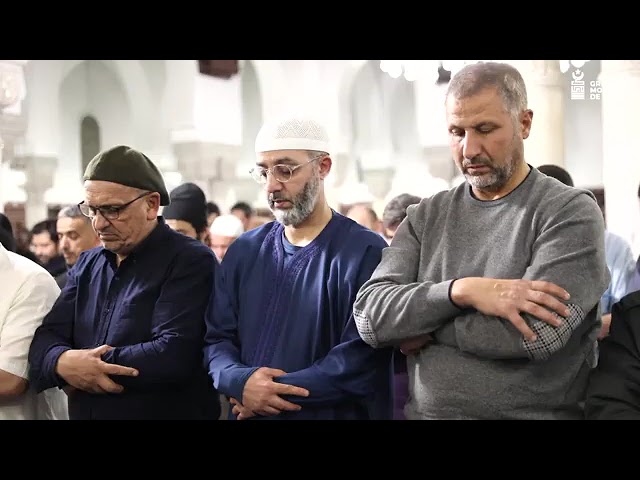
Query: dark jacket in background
point(614, 386)
point(151, 309)
point(56, 266)
point(61, 279)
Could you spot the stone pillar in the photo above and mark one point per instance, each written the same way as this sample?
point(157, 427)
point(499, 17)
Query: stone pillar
point(39, 172)
point(379, 181)
point(620, 81)
point(545, 92)
point(2, 199)
point(210, 165)
point(12, 92)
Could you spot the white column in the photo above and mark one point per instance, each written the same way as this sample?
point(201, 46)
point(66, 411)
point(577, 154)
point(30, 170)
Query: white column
point(12, 91)
point(545, 92)
point(39, 172)
point(620, 81)
point(2, 200)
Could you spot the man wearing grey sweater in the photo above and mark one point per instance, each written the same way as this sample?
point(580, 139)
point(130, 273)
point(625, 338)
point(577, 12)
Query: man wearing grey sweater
point(492, 288)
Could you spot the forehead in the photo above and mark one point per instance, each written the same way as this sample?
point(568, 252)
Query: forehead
point(66, 224)
point(484, 106)
point(98, 192)
point(291, 157)
point(221, 239)
point(42, 237)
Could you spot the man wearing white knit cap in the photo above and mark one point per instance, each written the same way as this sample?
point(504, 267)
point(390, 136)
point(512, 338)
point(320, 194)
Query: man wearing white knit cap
point(281, 341)
point(224, 230)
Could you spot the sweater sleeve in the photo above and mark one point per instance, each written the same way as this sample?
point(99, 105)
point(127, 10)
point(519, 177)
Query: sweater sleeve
point(569, 252)
point(393, 304)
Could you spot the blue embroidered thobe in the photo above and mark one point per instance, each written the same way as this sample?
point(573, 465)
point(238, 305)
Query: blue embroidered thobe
point(291, 308)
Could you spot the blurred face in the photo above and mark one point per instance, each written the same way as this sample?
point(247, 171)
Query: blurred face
point(75, 235)
point(486, 144)
point(134, 221)
point(362, 216)
point(183, 227)
point(220, 244)
point(292, 202)
point(241, 215)
point(43, 247)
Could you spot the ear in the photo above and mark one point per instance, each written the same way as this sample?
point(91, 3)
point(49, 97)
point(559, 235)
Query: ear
point(325, 166)
point(526, 119)
point(153, 205)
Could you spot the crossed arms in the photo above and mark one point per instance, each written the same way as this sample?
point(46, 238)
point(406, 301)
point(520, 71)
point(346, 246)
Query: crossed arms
point(531, 317)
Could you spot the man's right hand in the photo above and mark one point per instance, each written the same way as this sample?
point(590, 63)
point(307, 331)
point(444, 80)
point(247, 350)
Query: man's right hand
point(509, 298)
point(85, 370)
point(261, 394)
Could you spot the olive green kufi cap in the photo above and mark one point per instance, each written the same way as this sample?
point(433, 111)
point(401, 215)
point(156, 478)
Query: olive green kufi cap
point(129, 167)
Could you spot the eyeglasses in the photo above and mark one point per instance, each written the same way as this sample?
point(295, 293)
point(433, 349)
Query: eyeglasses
point(281, 172)
point(109, 212)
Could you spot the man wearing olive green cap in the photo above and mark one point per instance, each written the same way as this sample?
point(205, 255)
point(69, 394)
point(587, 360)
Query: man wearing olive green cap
point(125, 337)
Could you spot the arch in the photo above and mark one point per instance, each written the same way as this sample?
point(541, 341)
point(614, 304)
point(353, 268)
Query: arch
point(271, 77)
point(132, 76)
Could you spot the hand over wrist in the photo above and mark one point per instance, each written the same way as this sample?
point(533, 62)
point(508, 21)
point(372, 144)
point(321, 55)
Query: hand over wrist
point(459, 293)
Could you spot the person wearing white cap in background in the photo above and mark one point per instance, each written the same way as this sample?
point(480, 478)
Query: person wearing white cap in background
point(281, 341)
point(224, 230)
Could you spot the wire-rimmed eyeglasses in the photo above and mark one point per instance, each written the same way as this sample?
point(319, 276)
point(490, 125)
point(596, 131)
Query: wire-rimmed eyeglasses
point(281, 172)
point(110, 212)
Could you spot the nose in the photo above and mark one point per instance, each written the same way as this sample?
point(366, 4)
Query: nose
point(272, 185)
point(63, 243)
point(471, 145)
point(99, 222)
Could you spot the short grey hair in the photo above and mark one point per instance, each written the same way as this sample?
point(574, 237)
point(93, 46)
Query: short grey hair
point(72, 211)
point(505, 78)
point(316, 153)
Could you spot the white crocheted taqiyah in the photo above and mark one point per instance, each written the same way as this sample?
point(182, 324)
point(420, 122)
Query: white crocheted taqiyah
point(295, 133)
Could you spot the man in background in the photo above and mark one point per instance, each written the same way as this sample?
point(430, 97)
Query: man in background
point(395, 212)
point(187, 212)
point(365, 216)
point(244, 212)
point(75, 235)
point(43, 244)
point(224, 230)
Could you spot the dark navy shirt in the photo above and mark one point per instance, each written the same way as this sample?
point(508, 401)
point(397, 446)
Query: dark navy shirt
point(289, 249)
point(151, 309)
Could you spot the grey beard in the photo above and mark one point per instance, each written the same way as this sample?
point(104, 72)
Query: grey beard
point(302, 207)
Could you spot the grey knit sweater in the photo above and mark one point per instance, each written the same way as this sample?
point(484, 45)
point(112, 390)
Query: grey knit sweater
point(481, 367)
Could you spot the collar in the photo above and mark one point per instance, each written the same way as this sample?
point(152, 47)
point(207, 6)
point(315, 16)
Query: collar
point(147, 244)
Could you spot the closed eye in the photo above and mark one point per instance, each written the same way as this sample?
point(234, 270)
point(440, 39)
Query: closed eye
point(110, 209)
